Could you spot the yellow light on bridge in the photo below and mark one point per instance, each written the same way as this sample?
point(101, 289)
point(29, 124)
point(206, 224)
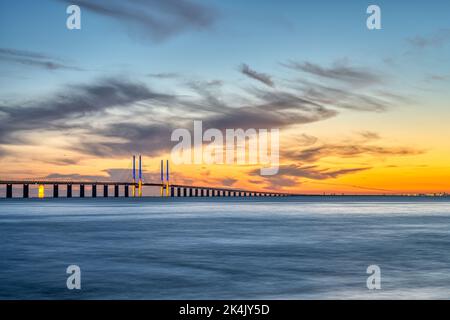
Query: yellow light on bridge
point(140, 188)
point(41, 191)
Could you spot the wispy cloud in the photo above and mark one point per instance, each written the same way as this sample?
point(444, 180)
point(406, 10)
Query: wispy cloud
point(369, 135)
point(436, 39)
point(345, 98)
point(316, 173)
point(351, 150)
point(116, 116)
point(34, 59)
point(292, 175)
point(57, 112)
point(277, 111)
point(157, 19)
point(340, 71)
point(259, 76)
point(438, 77)
point(122, 139)
point(164, 75)
point(61, 161)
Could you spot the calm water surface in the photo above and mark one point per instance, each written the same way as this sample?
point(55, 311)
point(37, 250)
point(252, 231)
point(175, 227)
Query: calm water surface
point(296, 248)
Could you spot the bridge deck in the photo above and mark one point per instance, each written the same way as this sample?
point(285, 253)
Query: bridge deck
point(127, 183)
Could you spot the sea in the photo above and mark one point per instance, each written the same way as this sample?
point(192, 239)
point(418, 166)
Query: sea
point(308, 247)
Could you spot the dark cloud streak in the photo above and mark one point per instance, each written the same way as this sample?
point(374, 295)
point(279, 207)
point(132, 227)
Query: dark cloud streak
point(261, 77)
point(157, 19)
point(34, 59)
point(339, 71)
point(340, 150)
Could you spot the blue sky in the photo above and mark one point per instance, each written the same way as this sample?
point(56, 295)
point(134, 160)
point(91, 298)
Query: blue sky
point(137, 69)
point(261, 33)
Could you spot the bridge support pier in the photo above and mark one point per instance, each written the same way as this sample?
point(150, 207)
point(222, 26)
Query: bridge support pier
point(26, 191)
point(178, 192)
point(116, 191)
point(94, 191)
point(190, 192)
point(55, 191)
point(9, 190)
point(172, 192)
point(69, 191)
point(81, 190)
point(105, 191)
point(125, 191)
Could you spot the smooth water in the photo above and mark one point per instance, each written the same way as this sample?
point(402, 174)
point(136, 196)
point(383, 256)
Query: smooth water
point(290, 248)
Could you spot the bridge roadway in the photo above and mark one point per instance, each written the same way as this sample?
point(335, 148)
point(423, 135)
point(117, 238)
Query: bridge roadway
point(174, 190)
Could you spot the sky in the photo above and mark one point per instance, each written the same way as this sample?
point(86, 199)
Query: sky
point(359, 111)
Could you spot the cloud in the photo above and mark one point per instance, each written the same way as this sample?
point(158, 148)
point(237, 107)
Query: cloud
point(228, 182)
point(436, 39)
point(289, 175)
point(315, 173)
point(157, 19)
point(346, 98)
point(279, 182)
point(261, 77)
point(340, 71)
point(152, 135)
point(164, 75)
point(278, 110)
point(438, 77)
point(305, 140)
point(340, 150)
point(150, 139)
point(115, 116)
point(78, 101)
point(369, 135)
point(34, 59)
point(61, 161)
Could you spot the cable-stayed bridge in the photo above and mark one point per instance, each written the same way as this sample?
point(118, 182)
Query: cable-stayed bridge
point(133, 188)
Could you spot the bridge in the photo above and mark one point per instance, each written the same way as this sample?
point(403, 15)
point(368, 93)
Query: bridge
point(135, 186)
